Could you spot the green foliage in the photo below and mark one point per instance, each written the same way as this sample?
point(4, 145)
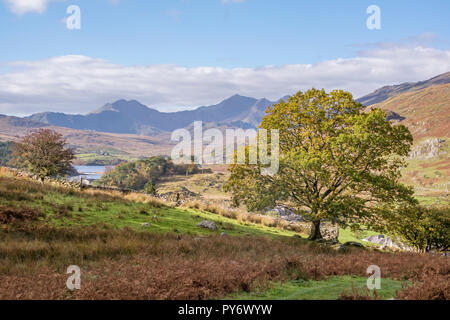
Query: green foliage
point(137, 174)
point(337, 162)
point(5, 152)
point(150, 188)
point(421, 227)
point(44, 153)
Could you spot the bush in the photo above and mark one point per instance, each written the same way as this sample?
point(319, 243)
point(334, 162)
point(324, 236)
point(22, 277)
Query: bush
point(150, 188)
point(14, 215)
point(136, 174)
point(424, 228)
point(5, 152)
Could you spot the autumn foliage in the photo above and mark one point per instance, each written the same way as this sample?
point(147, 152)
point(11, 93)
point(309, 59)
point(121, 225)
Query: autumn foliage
point(44, 153)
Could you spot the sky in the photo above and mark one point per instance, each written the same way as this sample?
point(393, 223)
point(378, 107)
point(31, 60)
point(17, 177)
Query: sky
point(178, 54)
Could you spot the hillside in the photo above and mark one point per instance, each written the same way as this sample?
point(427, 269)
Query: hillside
point(135, 247)
point(387, 92)
point(426, 113)
point(84, 141)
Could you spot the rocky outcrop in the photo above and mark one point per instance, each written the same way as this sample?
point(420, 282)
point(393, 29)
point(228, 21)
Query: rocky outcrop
point(207, 225)
point(286, 214)
point(179, 195)
point(429, 148)
point(387, 243)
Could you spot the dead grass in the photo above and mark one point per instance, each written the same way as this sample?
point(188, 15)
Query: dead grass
point(355, 294)
point(12, 215)
point(435, 286)
point(20, 189)
point(244, 217)
point(123, 264)
point(129, 265)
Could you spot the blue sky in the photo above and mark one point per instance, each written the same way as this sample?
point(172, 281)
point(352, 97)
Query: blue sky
point(225, 36)
point(210, 32)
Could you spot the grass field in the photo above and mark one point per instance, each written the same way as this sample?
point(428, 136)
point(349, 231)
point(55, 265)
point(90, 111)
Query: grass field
point(113, 158)
point(69, 208)
point(44, 229)
point(329, 289)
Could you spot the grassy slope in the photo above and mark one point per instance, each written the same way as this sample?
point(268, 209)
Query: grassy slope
point(206, 186)
point(329, 289)
point(96, 159)
point(70, 208)
point(426, 111)
point(266, 251)
point(209, 188)
point(86, 141)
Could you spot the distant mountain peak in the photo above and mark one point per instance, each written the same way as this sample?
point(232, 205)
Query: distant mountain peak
point(131, 116)
point(123, 105)
point(238, 98)
point(106, 107)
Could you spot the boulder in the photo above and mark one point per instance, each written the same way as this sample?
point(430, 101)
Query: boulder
point(354, 244)
point(208, 225)
point(379, 239)
point(330, 232)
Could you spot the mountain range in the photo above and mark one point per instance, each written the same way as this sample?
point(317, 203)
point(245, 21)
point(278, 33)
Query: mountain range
point(130, 130)
point(132, 117)
point(422, 106)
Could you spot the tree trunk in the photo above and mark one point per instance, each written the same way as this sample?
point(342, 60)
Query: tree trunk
point(315, 231)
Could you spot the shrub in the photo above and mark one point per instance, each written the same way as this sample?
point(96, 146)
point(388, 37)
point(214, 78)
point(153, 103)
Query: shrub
point(150, 188)
point(423, 228)
point(12, 215)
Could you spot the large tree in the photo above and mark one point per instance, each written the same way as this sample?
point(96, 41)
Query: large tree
point(338, 162)
point(44, 153)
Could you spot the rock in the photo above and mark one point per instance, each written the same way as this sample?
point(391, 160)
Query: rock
point(429, 148)
point(223, 234)
point(146, 224)
point(208, 225)
point(387, 243)
point(344, 247)
point(330, 232)
point(379, 239)
point(286, 214)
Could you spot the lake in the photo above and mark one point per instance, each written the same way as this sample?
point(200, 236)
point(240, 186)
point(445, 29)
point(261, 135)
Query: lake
point(91, 172)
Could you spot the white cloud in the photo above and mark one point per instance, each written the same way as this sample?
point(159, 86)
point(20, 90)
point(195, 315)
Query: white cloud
point(21, 7)
point(79, 84)
point(24, 6)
